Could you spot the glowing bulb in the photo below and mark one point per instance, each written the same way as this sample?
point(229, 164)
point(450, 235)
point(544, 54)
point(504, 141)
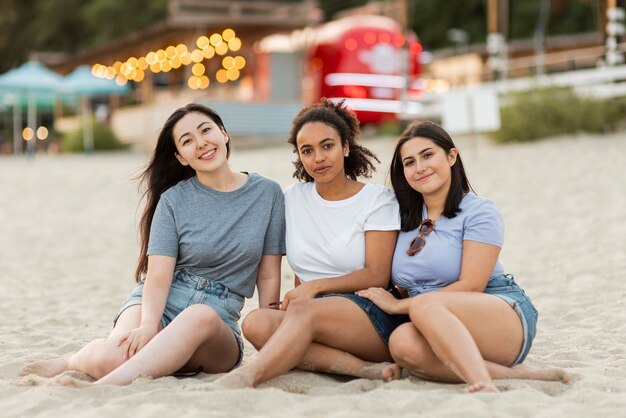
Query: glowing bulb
point(42, 133)
point(28, 134)
point(186, 59)
point(176, 62)
point(197, 69)
point(240, 62)
point(202, 42)
point(221, 76)
point(161, 55)
point(170, 51)
point(151, 58)
point(196, 55)
point(204, 82)
point(139, 75)
point(228, 34)
point(234, 44)
point(228, 63)
point(181, 49)
point(232, 74)
point(221, 49)
point(208, 53)
point(193, 82)
point(143, 64)
point(216, 39)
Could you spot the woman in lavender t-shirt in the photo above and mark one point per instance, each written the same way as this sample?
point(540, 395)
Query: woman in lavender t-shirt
point(469, 321)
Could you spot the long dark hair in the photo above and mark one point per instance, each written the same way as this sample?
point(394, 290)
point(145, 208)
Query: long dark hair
point(411, 202)
point(164, 171)
point(358, 163)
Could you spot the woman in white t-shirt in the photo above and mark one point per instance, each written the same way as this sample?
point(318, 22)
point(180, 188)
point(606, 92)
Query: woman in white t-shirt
point(341, 234)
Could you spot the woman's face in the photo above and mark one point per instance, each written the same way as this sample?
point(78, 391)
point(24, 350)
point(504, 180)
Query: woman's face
point(200, 143)
point(427, 167)
point(320, 151)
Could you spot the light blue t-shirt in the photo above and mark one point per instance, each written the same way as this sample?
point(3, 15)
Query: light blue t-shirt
point(439, 263)
point(220, 235)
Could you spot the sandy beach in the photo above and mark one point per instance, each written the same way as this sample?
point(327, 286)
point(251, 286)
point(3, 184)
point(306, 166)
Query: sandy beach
point(68, 246)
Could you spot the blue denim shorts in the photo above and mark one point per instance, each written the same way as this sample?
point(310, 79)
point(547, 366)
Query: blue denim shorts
point(383, 323)
point(505, 288)
point(187, 290)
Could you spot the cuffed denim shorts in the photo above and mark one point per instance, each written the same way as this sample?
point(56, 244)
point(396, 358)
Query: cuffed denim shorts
point(505, 288)
point(187, 290)
point(383, 323)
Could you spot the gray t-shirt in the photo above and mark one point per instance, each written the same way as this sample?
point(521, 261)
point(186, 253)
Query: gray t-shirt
point(220, 235)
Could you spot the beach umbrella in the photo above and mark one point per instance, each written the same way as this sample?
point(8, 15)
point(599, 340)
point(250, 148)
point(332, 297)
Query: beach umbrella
point(83, 84)
point(36, 84)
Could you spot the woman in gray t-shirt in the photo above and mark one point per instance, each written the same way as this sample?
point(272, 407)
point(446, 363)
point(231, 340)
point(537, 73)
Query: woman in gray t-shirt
point(208, 235)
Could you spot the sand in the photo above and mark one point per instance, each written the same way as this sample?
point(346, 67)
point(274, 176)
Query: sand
point(68, 244)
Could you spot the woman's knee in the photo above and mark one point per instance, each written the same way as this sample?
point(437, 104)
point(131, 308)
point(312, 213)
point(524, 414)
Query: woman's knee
point(407, 350)
point(201, 318)
point(258, 326)
point(423, 306)
point(303, 309)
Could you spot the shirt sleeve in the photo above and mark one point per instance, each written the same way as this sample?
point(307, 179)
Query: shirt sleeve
point(485, 224)
point(163, 231)
point(385, 213)
point(275, 236)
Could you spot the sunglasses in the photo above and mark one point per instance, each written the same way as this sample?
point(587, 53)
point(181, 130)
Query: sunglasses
point(415, 246)
point(275, 305)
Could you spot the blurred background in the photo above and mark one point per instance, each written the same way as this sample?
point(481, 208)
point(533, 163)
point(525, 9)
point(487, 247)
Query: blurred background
point(81, 76)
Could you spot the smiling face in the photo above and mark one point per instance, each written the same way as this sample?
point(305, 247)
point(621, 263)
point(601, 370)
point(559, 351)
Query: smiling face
point(427, 167)
point(320, 151)
point(200, 142)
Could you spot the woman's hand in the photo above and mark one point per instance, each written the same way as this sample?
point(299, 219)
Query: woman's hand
point(135, 339)
point(306, 290)
point(382, 298)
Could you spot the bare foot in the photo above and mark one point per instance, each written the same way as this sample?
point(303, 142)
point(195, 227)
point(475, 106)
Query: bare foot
point(237, 379)
point(69, 381)
point(47, 368)
point(481, 387)
point(552, 375)
point(393, 372)
point(374, 371)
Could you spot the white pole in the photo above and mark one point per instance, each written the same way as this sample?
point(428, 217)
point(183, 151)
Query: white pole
point(17, 125)
point(87, 125)
point(32, 124)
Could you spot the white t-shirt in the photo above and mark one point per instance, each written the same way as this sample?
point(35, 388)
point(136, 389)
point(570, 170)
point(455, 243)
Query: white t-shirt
point(327, 238)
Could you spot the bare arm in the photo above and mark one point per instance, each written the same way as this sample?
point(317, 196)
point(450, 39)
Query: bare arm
point(268, 279)
point(154, 296)
point(477, 263)
point(379, 247)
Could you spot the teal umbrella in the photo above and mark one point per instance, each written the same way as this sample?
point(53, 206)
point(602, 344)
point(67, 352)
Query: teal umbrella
point(81, 83)
point(35, 83)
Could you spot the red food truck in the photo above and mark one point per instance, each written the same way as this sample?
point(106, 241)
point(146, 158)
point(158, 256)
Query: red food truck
point(356, 58)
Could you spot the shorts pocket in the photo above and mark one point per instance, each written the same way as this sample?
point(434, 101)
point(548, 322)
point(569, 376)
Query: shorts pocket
point(233, 306)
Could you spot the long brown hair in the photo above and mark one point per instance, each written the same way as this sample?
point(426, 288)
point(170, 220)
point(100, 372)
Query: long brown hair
point(410, 200)
point(164, 171)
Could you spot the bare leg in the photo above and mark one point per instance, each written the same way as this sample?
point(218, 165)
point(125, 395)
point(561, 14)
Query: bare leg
point(97, 358)
point(196, 337)
point(305, 321)
point(260, 324)
point(463, 336)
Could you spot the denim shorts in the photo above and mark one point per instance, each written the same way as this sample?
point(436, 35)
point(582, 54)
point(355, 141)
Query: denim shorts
point(187, 290)
point(505, 288)
point(383, 323)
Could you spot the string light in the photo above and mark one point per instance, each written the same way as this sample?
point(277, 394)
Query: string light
point(175, 56)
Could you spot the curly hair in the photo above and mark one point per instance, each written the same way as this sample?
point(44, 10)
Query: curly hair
point(359, 162)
